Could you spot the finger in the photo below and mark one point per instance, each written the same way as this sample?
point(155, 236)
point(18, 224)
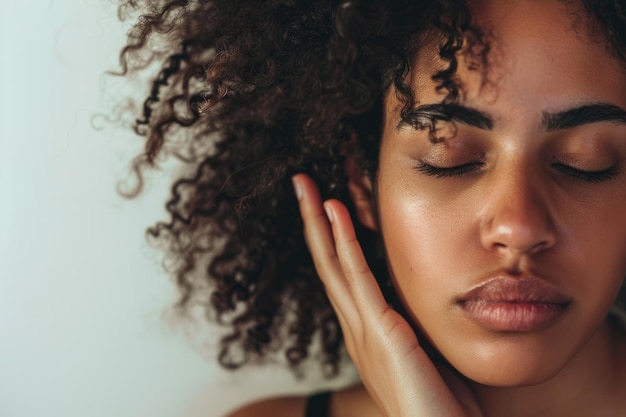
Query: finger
point(384, 331)
point(318, 235)
point(359, 278)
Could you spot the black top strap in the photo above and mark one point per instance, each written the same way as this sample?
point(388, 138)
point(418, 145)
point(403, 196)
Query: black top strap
point(318, 405)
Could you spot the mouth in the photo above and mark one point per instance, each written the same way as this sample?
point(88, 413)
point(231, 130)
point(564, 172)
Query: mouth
point(512, 304)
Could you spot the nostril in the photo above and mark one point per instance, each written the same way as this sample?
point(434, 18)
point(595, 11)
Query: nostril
point(519, 248)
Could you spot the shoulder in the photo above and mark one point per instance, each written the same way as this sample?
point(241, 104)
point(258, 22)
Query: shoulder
point(347, 402)
point(273, 407)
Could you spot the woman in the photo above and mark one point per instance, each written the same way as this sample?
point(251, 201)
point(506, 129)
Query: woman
point(481, 141)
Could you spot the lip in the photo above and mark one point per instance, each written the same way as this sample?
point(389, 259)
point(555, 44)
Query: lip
point(514, 304)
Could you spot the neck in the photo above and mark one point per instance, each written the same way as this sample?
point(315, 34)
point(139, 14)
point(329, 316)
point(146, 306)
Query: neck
point(592, 383)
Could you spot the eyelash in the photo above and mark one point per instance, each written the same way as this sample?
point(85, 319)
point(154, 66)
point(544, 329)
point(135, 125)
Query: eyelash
point(577, 174)
point(588, 176)
point(444, 172)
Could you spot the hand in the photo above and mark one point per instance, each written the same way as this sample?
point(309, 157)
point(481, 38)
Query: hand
point(395, 370)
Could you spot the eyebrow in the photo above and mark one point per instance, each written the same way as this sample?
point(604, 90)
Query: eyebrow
point(584, 115)
point(427, 114)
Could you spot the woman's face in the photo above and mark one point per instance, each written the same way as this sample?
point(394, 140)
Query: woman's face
point(506, 237)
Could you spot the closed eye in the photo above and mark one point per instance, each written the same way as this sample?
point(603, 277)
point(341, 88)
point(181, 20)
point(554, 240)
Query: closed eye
point(444, 172)
point(587, 176)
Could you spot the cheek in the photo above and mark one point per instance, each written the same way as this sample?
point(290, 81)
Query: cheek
point(597, 244)
point(422, 238)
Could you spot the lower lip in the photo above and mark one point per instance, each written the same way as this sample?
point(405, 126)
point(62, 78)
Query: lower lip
point(510, 316)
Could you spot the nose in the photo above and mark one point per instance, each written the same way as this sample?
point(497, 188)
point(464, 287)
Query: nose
point(517, 218)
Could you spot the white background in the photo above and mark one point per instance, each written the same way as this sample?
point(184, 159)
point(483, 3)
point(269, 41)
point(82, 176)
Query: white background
point(83, 300)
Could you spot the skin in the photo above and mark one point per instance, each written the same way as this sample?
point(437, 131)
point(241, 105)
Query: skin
point(520, 210)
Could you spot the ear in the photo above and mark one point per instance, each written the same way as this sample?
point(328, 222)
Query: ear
point(360, 189)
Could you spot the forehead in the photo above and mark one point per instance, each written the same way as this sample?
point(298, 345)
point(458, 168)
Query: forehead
point(540, 55)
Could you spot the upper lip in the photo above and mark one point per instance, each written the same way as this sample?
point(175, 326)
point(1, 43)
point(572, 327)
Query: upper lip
point(515, 289)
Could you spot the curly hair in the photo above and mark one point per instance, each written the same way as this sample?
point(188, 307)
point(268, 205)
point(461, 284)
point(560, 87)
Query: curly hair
point(249, 93)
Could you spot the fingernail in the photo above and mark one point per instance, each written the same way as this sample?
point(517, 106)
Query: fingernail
point(329, 212)
point(297, 188)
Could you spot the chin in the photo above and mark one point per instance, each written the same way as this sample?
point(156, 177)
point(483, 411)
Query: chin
point(502, 364)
